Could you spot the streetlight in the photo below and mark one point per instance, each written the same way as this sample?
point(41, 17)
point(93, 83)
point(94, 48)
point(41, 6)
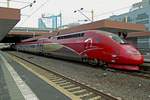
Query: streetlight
point(85, 20)
point(29, 5)
point(89, 19)
point(8, 2)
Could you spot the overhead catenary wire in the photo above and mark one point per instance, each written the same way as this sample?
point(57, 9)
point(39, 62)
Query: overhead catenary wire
point(110, 12)
point(16, 1)
point(19, 1)
point(116, 10)
point(96, 16)
point(36, 10)
point(3, 2)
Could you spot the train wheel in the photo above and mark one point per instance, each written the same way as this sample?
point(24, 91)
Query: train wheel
point(84, 60)
point(93, 62)
point(103, 64)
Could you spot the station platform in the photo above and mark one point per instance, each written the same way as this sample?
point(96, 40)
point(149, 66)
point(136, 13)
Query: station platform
point(17, 83)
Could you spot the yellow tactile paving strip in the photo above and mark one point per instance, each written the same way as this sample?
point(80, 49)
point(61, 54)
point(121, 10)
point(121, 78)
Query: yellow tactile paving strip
point(46, 77)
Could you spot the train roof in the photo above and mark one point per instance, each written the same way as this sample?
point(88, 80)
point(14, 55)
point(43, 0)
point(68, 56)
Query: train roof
point(98, 31)
point(44, 37)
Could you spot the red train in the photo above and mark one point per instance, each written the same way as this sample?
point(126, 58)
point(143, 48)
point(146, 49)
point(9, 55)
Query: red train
point(92, 46)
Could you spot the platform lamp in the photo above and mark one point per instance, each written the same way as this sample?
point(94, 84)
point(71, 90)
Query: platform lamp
point(29, 5)
point(89, 19)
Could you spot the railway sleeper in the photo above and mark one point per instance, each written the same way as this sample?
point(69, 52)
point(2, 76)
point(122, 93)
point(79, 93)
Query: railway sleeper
point(92, 97)
point(52, 77)
point(64, 84)
point(68, 86)
point(61, 82)
point(57, 80)
point(85, 95)
point(74, 88)
point(79, 91)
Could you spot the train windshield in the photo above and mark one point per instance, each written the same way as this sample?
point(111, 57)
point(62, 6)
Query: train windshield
point(118, 39)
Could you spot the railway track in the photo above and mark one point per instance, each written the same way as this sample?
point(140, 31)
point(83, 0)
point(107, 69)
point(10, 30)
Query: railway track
point(80, 90)
point(142, 74)
point(145, 73)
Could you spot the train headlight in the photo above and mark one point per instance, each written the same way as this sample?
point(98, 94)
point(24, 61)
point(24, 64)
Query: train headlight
point(130, 51)
point(133, 52)
point(113, 61)
point(114, 56)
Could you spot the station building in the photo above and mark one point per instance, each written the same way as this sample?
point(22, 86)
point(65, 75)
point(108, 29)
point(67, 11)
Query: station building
point(139, 14)
point(141, 40)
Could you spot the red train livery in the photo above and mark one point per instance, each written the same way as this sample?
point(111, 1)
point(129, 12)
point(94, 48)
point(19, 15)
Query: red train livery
point(92, 46)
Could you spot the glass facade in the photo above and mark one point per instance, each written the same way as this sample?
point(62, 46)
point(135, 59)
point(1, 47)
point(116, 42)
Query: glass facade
point(143, 42)
point(139, 16)
point(142, 16)
point(143, 22)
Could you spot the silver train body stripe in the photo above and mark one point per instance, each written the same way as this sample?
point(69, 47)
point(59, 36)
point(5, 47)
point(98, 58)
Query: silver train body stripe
point(91, 49)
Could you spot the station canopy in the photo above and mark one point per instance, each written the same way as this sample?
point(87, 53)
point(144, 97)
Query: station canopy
point(8, 19)
point(105, 25)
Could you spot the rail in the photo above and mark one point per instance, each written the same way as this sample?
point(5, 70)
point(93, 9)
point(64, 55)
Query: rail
point(69, 84)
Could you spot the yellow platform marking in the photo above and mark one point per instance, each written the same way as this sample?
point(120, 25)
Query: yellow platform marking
point(62, 90)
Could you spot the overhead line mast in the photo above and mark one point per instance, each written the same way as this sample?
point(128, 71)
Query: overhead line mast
point(8, 1)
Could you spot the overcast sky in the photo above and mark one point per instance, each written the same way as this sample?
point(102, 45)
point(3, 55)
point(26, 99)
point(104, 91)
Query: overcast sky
point(102, 9)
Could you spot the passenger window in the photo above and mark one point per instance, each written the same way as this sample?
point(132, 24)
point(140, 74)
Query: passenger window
point(71, 36)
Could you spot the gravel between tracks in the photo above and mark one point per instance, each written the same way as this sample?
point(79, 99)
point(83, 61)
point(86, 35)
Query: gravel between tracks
point(121, 85)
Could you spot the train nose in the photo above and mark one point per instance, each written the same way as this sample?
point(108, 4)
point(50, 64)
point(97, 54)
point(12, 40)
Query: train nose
point(133, 55)
point(138, 59)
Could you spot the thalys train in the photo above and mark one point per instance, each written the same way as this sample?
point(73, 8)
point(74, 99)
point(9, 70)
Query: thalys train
point(92, 46)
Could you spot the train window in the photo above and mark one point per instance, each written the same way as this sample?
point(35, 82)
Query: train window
point(33, 41)
point(117, 38)
point(49, 37)
point(71, 36)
